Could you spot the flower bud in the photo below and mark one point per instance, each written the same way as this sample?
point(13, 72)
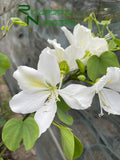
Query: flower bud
point(64, 68)
point(81, 65)
point(82, 77)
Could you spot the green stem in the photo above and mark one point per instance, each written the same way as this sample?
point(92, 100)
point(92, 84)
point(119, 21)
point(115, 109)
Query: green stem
point(4, 34)
point(117, 49)
point(25, 117)
point(6, 29)
point(1, 114)
point(89, 82)
point(98, 28)
point(1, 143)
point(56, 125)
point(10, 26)
point(2, 152)
point(103, 30)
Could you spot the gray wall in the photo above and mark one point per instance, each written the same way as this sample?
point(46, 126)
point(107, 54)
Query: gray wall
point(100, 136)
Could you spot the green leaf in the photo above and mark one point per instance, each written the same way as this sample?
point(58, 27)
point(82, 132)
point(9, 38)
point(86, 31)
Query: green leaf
point(62, 105)
point(78, 148)
point(12, 133)
point(3, 27)
point(111, 34)
point(65, 118)
point(18, 21)
point(112, 44)
point(117, 41)
point(97, 66)
point(2, 72)
point(30, 133)
point(67, 139)
point(1, 158)
point(4, 61)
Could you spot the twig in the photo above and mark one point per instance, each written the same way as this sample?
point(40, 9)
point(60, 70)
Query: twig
point(13, 6)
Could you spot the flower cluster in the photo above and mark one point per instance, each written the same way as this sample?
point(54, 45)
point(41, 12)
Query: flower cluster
point(41, 88)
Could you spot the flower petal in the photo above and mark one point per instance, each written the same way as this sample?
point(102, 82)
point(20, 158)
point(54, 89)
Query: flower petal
point(71, 54)
point(78, 96)
point(27, 103)
point(114, 82)
point(97, 46)
point(110, 101)
point(29, 79)
point(82, 36)
point(110, 80)
point(49, 67)
point(68, 34)
point(45, 115)
point(58, 51)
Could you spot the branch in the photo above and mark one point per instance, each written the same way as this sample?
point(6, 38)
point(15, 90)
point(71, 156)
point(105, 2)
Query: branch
point(13, 6)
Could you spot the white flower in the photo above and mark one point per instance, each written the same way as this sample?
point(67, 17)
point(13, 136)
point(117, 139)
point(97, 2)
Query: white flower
point(70, 54)
point(40, 92)
point(108, 89)
point(83, 38)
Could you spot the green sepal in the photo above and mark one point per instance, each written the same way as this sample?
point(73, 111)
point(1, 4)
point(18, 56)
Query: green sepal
point(64, 67)
point(80, 65)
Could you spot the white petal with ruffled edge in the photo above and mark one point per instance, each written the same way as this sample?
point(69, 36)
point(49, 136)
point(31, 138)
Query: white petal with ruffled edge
point(56, 45)
point(45, 115)
point(69, 35)
point(29, 79)
point(49, 67)
point(27, 103)
point(110, 101)
point(82, 36)
point(114, 82)
point(58, 52)
point(110, 80)
point(78, 96)
point(71, 54)
point(97, 46)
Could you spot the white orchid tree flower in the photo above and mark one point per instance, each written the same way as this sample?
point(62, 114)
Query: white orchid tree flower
point(108, 90)
point(82, 37)
point(40, 90)
point(70, 54)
